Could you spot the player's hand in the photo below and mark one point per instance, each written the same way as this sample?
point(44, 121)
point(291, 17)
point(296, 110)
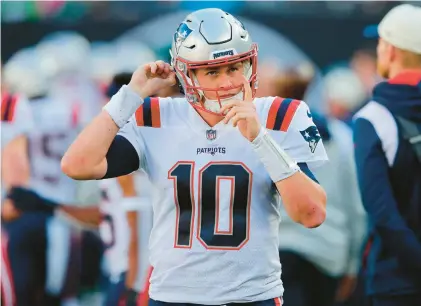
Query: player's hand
point(8, 211)
point(346, 287)
point(27, 200)
point(148, 79)
point(242, 114)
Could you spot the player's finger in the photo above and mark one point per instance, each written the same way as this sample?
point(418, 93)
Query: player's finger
point(238, 117)
point(161, 66)
point(229, 105)
point(167, 68)
point(147, 68)
point(248, 94)
point(167, 73)
point(234, 110)
point(171, 79)
point(154, 67)
point(229, 115)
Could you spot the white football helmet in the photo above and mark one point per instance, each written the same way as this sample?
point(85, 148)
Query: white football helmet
point(211, 38)
point(64, 52)
point(22, 74)
point(343, 86)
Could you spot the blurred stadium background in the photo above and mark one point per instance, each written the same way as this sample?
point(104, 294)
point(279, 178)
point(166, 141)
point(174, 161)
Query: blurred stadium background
point(322, 51)
point(318, 35)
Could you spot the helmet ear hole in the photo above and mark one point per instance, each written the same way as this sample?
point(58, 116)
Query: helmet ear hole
point(180, 87)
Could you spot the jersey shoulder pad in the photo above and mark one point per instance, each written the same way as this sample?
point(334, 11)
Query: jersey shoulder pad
point(277, 113)
point(8, 107)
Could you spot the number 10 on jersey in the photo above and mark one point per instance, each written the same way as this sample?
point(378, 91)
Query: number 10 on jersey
point(209, 178)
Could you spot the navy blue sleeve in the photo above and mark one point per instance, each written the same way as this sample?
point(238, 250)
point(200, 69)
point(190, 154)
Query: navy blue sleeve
point(306, 170)
point(378, 198)
point(121, 157)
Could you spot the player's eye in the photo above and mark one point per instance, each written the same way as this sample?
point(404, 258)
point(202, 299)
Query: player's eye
point(212, 72)
point(233, 69)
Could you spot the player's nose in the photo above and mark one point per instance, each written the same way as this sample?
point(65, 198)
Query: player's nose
point(225, 81)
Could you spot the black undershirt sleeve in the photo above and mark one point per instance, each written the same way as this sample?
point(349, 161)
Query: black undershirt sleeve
point(121, 158)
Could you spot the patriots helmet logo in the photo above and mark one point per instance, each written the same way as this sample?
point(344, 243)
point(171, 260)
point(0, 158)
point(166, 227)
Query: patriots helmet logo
point(312, 136)
point(181, 34)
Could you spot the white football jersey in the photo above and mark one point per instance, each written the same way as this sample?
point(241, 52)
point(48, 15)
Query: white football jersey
point(16, 117)
point(78, 90)
point(16, 120)
point(56, 126)
point(216, 211)
point(114, 228)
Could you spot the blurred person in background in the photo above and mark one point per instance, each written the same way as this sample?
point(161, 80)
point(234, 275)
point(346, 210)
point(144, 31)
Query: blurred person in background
point(388, 158)
point(321, 265)
point(363, 63)
point(65, 60)
point(345, 93)
point(16, 123)
point(52, 75)
point(48, 254)
point(290, 82)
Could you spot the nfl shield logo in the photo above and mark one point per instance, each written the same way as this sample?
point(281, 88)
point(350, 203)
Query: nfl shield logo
point(211, 134)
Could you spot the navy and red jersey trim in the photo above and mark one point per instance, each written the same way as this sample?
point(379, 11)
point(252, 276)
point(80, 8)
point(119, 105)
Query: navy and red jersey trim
point(281, 113)
point(8, 107)
point(149, 113)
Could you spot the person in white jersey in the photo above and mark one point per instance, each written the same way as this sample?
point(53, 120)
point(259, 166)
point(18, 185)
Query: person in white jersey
point(15, 125)
point(57, 123)
point(221, 161)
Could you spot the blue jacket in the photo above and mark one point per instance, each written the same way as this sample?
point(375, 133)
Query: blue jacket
point(389, 176)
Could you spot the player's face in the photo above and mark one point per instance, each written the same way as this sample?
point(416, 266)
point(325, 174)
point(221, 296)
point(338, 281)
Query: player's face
point(383, 58)
point(222, 77)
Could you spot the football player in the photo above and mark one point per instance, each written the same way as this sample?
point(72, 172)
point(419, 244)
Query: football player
point(221, 160)
point(15, 125)
point(57, 124)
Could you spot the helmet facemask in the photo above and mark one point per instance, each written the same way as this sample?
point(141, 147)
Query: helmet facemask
point(194, 92)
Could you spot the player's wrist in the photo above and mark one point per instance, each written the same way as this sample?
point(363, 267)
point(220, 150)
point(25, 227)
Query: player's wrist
point(259, 131)
point(123, 105)
point(141, 91)
point(277, 162)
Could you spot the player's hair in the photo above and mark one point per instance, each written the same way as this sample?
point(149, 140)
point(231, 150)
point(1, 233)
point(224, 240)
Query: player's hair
point(117, 82)
point(292, 84)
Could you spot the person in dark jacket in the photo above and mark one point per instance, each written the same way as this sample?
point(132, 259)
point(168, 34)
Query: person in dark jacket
point(387, 136)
